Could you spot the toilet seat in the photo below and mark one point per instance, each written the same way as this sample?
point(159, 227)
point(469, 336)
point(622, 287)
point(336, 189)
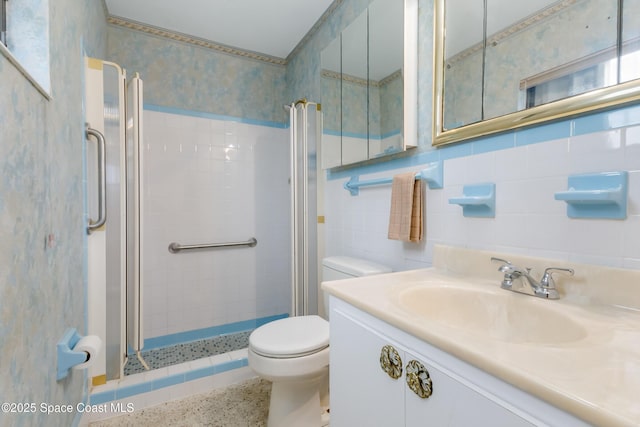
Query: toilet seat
point(290, 337)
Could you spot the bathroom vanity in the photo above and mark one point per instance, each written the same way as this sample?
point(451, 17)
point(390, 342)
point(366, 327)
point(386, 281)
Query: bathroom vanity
point(446, 346)
point(461, 395)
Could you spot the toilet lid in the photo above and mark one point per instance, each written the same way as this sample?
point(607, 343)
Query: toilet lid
point(291, 337)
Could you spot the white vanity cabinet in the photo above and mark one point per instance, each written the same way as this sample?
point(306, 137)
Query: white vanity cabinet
point(363, 394)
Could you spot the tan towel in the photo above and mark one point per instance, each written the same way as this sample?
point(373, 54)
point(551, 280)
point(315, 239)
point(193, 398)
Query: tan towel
point(405, 221)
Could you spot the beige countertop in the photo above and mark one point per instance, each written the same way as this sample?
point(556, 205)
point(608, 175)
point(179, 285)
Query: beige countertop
point(587, 365)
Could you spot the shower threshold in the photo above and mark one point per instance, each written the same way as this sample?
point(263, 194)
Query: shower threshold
point(185, 352)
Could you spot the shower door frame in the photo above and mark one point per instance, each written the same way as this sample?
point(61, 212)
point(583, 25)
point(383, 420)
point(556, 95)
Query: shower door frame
point(305, 132)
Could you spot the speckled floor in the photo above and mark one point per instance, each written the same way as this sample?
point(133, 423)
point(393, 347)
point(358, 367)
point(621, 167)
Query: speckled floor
point(180, 353)
point(240, 405)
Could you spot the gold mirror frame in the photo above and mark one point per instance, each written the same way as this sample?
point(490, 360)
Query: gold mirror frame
point(598, 99)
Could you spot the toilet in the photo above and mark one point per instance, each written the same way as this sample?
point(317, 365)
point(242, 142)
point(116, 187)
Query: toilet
point(293, 353)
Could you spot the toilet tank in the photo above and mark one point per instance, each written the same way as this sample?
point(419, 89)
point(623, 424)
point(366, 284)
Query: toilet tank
point(344, 267)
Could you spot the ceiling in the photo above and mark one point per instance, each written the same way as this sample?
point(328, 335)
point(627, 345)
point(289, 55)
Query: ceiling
point(272, 27)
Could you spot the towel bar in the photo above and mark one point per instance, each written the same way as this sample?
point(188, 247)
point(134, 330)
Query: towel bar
point(432, 174)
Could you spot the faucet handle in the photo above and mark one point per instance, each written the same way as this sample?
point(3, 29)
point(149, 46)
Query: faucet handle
point(508, 269)
point(500, 260)
point(547, 277)
point(506, 266)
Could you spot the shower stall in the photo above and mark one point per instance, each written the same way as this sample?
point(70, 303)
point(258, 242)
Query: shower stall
point(214, 233)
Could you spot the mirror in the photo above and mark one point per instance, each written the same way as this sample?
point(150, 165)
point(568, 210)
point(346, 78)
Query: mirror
point(355, 90)
point(386, 87)
point(503, 64)
point(330, 84)
point(368, 81)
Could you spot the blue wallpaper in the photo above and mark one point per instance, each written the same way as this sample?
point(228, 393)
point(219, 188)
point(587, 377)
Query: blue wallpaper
point(42, 239)
point(303, 68)
point(184, 76)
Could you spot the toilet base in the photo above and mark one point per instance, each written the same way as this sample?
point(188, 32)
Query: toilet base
point(296, 403)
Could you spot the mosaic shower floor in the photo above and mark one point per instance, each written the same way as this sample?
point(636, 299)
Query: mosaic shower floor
point(180, 353)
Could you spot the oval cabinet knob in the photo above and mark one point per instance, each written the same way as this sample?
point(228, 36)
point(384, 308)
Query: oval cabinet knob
point(418, 379)
point(390, 362)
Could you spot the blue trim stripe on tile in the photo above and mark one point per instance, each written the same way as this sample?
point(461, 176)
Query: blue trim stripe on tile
point(168, 381)
point(207, 371)
point(589, 123)
point(102, 397)
point(543, 133)
point(456, 150)
point(212, 116)
point(228, 366)
point(497, 142)
point(198, 334)
point(132, 390)
point(418, 159)
point(605, 120)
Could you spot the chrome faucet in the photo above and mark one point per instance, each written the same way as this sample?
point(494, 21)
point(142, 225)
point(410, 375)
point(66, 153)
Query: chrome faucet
point(545, 288)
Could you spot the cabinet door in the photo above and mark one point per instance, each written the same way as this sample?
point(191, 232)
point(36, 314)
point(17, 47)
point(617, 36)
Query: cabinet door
point(362, 394)
point(454, 404)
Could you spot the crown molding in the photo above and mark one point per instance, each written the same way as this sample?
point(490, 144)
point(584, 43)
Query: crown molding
point(184, 38)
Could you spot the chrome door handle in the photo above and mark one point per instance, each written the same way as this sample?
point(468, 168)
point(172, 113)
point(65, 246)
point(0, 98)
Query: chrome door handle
point(102, 180)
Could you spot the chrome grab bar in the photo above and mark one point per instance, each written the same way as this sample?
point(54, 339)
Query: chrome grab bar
point(174, 247)
point(102, 178)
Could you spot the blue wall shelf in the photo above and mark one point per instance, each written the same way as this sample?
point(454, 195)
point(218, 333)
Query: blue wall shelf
point(597, 195)
point(478, 200)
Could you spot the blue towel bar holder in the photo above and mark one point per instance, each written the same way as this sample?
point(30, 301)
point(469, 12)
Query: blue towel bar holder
point(432, 174)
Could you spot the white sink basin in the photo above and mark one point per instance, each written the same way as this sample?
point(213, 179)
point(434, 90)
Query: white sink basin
point(501, 315)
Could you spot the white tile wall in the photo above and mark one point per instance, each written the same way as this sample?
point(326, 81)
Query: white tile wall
point(528, 218)
point(213, 181)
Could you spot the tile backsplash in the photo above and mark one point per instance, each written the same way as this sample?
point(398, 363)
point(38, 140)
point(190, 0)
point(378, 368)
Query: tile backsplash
point(528, 220)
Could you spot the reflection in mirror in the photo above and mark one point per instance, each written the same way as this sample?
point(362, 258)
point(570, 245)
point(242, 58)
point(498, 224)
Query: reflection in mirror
point(463, 69)
point(386, 31)
point(369, 84)
point(355, 91)
point(535, 53)
point(330, 82)
point(630, 54)
point(562, 49)
point(539, 60)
